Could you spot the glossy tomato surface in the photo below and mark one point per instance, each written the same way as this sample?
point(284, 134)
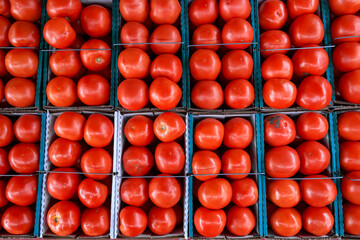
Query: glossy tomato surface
point(209, 223)
point(70, 125)
point(239, 94)
point(348, 126)
point(348, 86)
point(203, 11)
point(96, 160)
point(22, 190)
point(134, 12)
point(134, 63)
point(64, 153)
point(92, 193)
point(166, 65)
point(204, 64)
point(207, 95)
point(169, 157)
point(279, 130)
point(22, 63)
point(206, 34)
point(306, 29)
point(26, 10)
point(209, 134)
point(312, 61)
point(282, 162)
point(349, 156)
point(314, 157)
point(165, 33)
point(27, 128)
point(18, 220)
point(345, 26)
point(238, 133)
point(206, 162)
point(351, 218)
point(61, 92)
point(245, 192)
point(98, 130)
point(215, 193)
point(237, 30)
point(164, 191)
point(312, 126)
point(297, 8)
point(284, 193)
point(274, 42)
point(63, 186)
point(234, 9)
point(137, 161)
point(63, 218)
point(240, 221)
point(317, 221)
point(272, 15)
point(93, 90)
point(164, 11)
point(134, 191)
point(286, 222)
point(346, 56)
point(133, 221)
point(133, 94)
point(164, 93)
point(169, 126)
point(139, 131)
point(237, 64)
point(95, 60)
point(24, 158)
point(24, 34)
point(58, 33)
point(351, 189)
point(69, 9)
point(236, 161)
point(341, 7)
point(279, 93)
point(6, 131)
point(277, 66)
point(134, 32)
point(65, 63)
point(318, 192)
point(20, 92)
point(161, 221)
point(96, 21)
point(95, 221)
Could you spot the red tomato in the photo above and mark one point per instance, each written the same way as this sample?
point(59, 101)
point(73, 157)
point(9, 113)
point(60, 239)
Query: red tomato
point(68, 9)
point(164, 34)
point(3, 198)
point(272, 15)
point(95, 60)
point(314, 157)
point(22, 190)
point(348, 86)
point(24, 34)
point(348, 126)
point(282, 162)
point(306, 29)
point(286, 222)
point(58, 33)
point(349, 156)
point(137, 161)
point(134, 12)
point(279, 130)
point(207, 95)
point(164, 11)
point(279, 93)
point(64, 153)
point(238, 133)
point(133, 221)
point(237, 64)
point(234, 9)
point(26, 10)
point(314, 93)
point(134, 32)
point(284, 193)
point(205, 64)
point(133, 94)
point(351, 218)
point(209, 223)
point(345, 26)
point(169, 157)
point(65, 63)
point(161, 221)
point(61, 92)
point(169, 126)
point(164, 93)
point(310, 61)
point(98, 130)
point(138, 130)
point(70, 125)
point(3, 70)
point(24, 158)
point(346, 56)
point(27, 128)
point(342, 7)
point(22, 63)
point(350, 188)
point(18, 220)
point(297, 8)
point(205, 162)
point(237, 30)
point(63, 218)
point(318, 192)
point(134, 63)
point(95, 221)
point(203, 11)
point(6, 130)
point(312, 126)
point(317, 221)
point(20, 92)
point(5, 8)
point(277, 66)
point(92, 193)
point(239, 94)
point(206, 34)
point(96, 21)
point(93, 90)
point(179, 214)
point(236, 161)
point(245, 192)
point(209, 134)
point(240, 221)
point(164, 191)
point(166, 65)
point(134, 191)
point(63, 186)
point(4, 30)
point(215, 193)
point(4, 163)
point(274, 42)
point(96, 160)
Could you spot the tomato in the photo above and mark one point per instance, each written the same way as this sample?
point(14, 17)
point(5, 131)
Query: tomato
point(96, 21)
point(134, 63)
point(238, 133)
point(209, 134)
point(286, 222)
point(207, 34)
point(22, 63)
point(95, 60)
point(306, 29)
point(179, 214)
point(3, 70)
point(349, 156)
point(237, 30)
point(317, 221)
point(282, 162)
point(207, 95)
point(58, 33)
point(318, 192)
point(20, 92)
point(22, 190)
point(24, 34)
point(345, 26)
point(272, 15)
point(274, 42)
point(133, 94)
point(65, 63)
point(4, 163)
point(166, 65)
point(64, 153)
point(205, 64)
point(161, 221)
point(284, 193)
point(314, 157)
point(4, 30)
point(6, 130)
point(164, 191)
point(93, 90)
point(134, 32)
point(164, 11)
point(234, 9)
point(133, 221)
point(5, 8)
point(239, 94)
point(138, 130)
point(27, 128)
point(3, 198)
point(312, 126)
point(61, 92)
point(169, 126)
point(310, 61)
point(209, 223)
point(69, 9)
point(18, 220)
point(203, 11)
point(137, 161)
point(95, 221)
point(279, 93)
point(279, 130)
point(342, 7)
point(169, 157)
point(205, 162)
point(297, 8)
point(350, 188)
point(348, 127)
point(215, 193)
point(240, 221)
point(164, 93)
point(134, 191)
point(96, 160)
point(98, 130)
point(236, 161)
point(131, 11)
point(92, 193)
point(63, 218)
point(314, 93)
point(26, 10)
point(24, 158)
point(245, 192)
point(346, 56)
point(70, 125)
point(63, 186)
point(237, 64)
point(277, 66)
point(164, 34)
point(351, 218)
point(348, 86)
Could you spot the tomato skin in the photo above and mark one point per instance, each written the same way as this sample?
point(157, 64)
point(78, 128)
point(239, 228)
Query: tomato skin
point(314, 157)
point(284, 193)
point(93, 90)
point(70, 125)
point(240, 221)
point(63, 218)
point(344, 26)
point(350, 189)
point(5, 8)
point(164, 11)
point(351, 218)
point(206, 162)
point(22, 63)
point(65, 63)
point(20, 92)
point(346, 56)
point(169, 126)
point(207, 95)
point(203, 11)
point(277, 66)
point(3, 70)
point(22, 190)
point(133, 221)
point(282, 162)
point(64, 153)
point(236, 161)
point(6, 130)
point(312, 126)
point(209, 134)
point(95, 60)
point(348, 86)
point(215, 193)
point(274, 39)
point(134, 12)
point(95, 221)
point(92, 193)
point(348, 127)
point(208, 222)
point(164, 192)
point(318, 192)
point(272, 15)
point(18, 220)
point(286, 222)
point(310, 61)
point(297, 8)
point(96, 21)
point(234, 9)
point(61, 92)
point(24, 158)
point(4, 30)
point(24, 34)
point(165, 33)
point(161, 221)
point(133, 94)
point(169, 157)
point(4, 163)
point(134, 63)
point(349, 156)
point(204, 64)
point(306, 29)
point(279, 130)
point(139, 131)
point(206, 34)
point(134, 191)
point(98, 131)
point(164, 93)
point(26, 10)
point(342, 7)
point(245, 192)
point(96, 160)
point(237, 30)
point(166, 65)
point(134, 32)
point(317, 221)
point(69, 9)
point(63, 186)
point(237, 64)
point(279, 93)
point(58, 33)
point(238, 133)
point(3, 198)
point(27, 128)
point(137, 161)
point(239, 94)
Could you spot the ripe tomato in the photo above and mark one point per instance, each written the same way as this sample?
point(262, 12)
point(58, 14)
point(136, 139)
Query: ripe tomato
point(63, 186)
point(70, 125)
point(351, 218)
point(209, 223)
point(342, 7)
point(95, 60)
point(6, 130)
point(161, 221)
point(164, 93)
point(279, 93)
point(209, 134)
point(95, 221)
point(348, 86)
point(317, 221)
point(20, 92)
point(169, 157)
point(240, 221)
point(22, 63)
point(24, 34)
point(203, 11)
point(284, 193)
point(134, 12)
point(282, 162)
point(237, 30)
point(163, 34)
point(4, 163)
point(164, 191)
point(207, 95)
point(96, 21)
point(26, 10)
point(134, 63)
point(27, 128)
point(169, 126)
point(279, 130)
point(215, 193)
point(22, 190)
point(272, 15)
point(236, 161)
point(237, 64)
point(134, 191)
point(179, 214)
point(164, 11)
point(92, 193)
point(274, 42)
point(277, 66)
point(69, 9)
point(3, 198)
point(139, 131)
point(96, 160)
point(133, 221)
point(234, 9)
point(3, 70)
point(239, 94)
point(65, 63)
point(61, 92)
point(314, 157)
point(306, 29)
point(349, 156)
point(346, 56)
point(312, 126)
point(24, 158)
point(238, 133)
point(98, 130)
point(58, 33)
point(314, 93)
point(345, 26)
point(348, 127)
point(166, 65)
point(245, 192)
point(286, 222)
point(4, 30)
point(18, 220)
point(205, 162)
point(207, 34)
point(134, 32)
point(297, 8)
point(64, 152)
point(318, 192)
point(93, 90)
point(205, 64)
point(5, 8)
point(133, 94)
point(310, 61)
point(137, 161)
point(351, 189)
point(63, 218)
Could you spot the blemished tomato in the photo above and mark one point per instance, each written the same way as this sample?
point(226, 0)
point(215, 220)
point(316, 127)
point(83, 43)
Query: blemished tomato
point(96, 21)
point(284, 193)
point(134, 191)
point(237, 30)
point(166, 65)
point(314, 93)
point(215, 193)
point(27, 128)
point(133, 221)
point(3, 70)
point(95, 60)
point(26, 10)
point(95, 221)
point(65, 63)
point(22, 190)
point(20, 92)
point(317, 221)
point(239, 94)
point(206, 162)
point(240, 221)
point(236, 161)
point(346, 56)
point(279, 93)
point(161, 221)
point(92, 193)
point(3, 198)
point(169, 126)
point(5, 8)
point(63, 186)
point(279, 130)
point(306, 29)
point(70, 125)
point(61, 92)
point(203, 11)
point(237, 64)
point(137, 161)
point(297, 8)
point(234, 9)
point(207, 95)
point(345, 26)
point(274, 42)
point(22, 63)
point(245, 192)
point(63, 218)
point(272, 15)
point(310, 61)
point(169, 157)
point(134, 63)
point(6, 131)
point(312, 126)
point(133, 94)
point(349, 156)
point(348, 86)
point(282, 162)
point(93, 90)
point(207, 34)
point(24, 34)
point(314, 157)
point(139, 131)
point(342, 7)
point(164, 191)
point(68, 9)
point(96, 160)
point(4, 163)
point(4, 30)
point(24, 157)
point(98, 130)
point(209, 134)
point(318, 192)
point(164, 11)
point(64, 152)
point(351, 218)
point(18, 220)
point(163, 34)
point(164, 93)
point(204, 64)
point(350, 188)
point(286, 222)
point(208, 222)
point(238, 133)
point(134, 32)
point(348, 126)
point(277, 66)
point(58, 33)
